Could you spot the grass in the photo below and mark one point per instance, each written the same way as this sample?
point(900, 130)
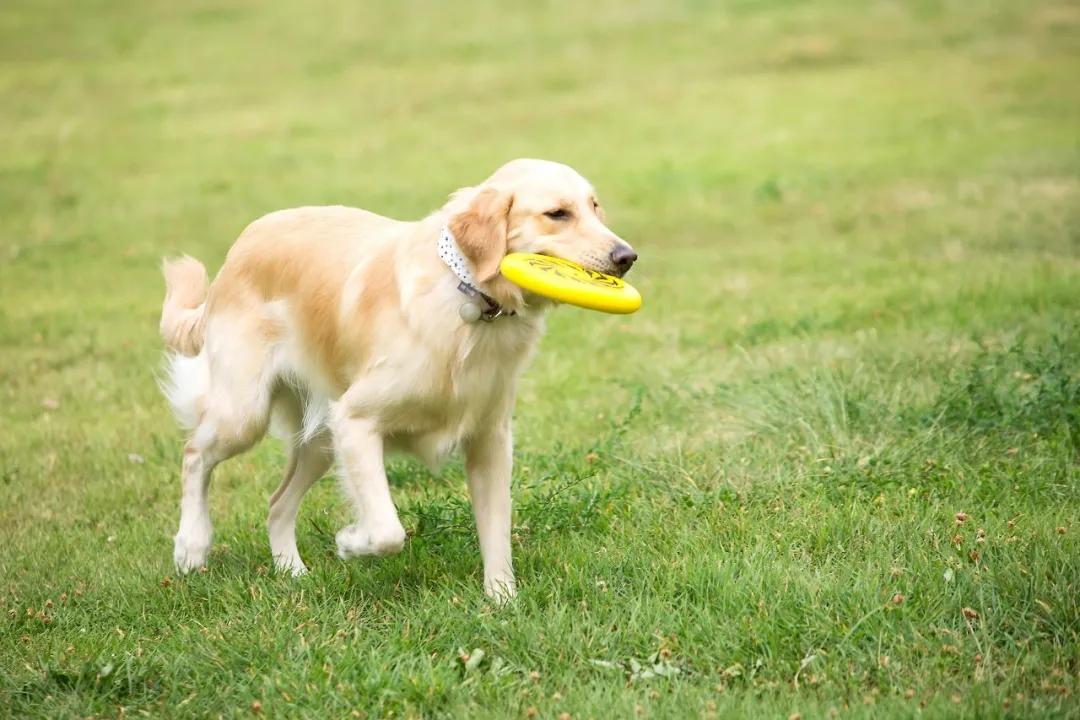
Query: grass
point(860, 235)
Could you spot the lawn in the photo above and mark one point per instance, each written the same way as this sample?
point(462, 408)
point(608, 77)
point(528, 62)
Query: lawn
point(832, 466)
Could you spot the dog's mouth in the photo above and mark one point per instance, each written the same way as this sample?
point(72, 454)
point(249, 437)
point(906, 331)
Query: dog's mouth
point(617, 272)
point(592, 263)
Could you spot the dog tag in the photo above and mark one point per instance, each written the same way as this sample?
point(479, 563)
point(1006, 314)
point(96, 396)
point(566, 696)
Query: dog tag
point(469, 312)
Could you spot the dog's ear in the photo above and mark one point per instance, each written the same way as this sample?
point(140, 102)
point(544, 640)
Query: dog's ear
point(480, 231)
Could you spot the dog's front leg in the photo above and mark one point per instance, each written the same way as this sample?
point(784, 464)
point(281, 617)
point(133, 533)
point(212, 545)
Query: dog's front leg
point(488, 464)
point(359, 449)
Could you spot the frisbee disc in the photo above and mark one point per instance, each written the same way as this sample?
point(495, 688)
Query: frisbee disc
point(570, 283)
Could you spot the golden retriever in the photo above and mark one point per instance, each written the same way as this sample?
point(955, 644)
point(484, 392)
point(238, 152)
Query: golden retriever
point(349, 335)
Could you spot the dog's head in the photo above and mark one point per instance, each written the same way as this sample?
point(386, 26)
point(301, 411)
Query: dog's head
point(535, 206)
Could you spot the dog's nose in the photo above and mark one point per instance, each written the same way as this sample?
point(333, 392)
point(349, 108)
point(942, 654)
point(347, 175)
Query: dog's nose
point(623, 256)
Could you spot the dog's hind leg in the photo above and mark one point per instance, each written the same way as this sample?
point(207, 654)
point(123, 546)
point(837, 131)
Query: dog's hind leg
point(213, 442)
point(308, 462)
point(234, 416)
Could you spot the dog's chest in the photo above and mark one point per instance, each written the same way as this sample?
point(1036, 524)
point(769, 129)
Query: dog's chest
point(438, 398)
point(446, 383)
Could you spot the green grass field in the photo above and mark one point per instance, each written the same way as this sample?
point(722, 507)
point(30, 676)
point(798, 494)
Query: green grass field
point(860, 235)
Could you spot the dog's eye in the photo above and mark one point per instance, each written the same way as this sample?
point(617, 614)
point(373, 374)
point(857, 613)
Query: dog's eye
point(559, 214)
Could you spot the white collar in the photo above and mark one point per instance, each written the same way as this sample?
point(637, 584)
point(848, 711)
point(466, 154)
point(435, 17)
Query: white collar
point(451, 254)
point(455, 260)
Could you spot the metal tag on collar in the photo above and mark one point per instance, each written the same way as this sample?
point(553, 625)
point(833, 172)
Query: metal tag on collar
point(470, 312)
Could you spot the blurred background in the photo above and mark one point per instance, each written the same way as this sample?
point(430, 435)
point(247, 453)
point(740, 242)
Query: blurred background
point(782, 166)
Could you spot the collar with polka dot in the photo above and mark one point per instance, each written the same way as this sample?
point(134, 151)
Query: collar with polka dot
point(470, 311)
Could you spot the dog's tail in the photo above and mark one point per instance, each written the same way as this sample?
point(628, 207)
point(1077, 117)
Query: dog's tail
point(183, 315)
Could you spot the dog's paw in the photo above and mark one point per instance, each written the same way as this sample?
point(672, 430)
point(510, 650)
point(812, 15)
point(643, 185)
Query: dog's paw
point(292, 565)
point(501, 589)
point(190, 553)
point(358, 539)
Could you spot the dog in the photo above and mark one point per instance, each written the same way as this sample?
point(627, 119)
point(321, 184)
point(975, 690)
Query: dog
point(351, 335)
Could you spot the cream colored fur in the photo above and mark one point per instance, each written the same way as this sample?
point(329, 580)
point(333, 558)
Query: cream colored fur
point(341, 329)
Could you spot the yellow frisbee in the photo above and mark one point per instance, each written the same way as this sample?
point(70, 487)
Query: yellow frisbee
point(568, 282)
